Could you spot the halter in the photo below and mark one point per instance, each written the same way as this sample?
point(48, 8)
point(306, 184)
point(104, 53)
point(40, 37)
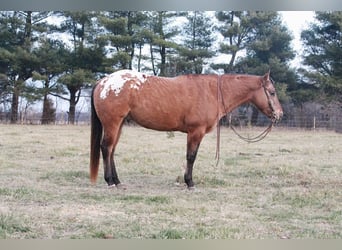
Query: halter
point(257, 138)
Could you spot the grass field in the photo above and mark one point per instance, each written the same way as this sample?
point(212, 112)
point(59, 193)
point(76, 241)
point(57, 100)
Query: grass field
point(286, 186)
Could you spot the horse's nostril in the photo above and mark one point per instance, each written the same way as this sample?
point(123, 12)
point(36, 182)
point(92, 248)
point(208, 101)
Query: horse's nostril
point(280, 114)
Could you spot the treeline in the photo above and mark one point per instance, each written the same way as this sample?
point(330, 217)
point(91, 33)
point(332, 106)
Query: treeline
point(63, 53)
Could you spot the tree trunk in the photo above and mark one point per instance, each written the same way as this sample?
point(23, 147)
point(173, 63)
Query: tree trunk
point(255, 114)
point(163, 60)
point(44, 117)
point(72, 107)
point(152, 60)
point(49, 113)
point(15, 106)
point(139, 57)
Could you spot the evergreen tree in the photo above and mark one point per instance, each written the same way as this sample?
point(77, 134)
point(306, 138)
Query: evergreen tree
point(51, 56)
point(124, 33)
point(19, 30)
point(198, 40)
point(269, 48)
point(85, 57)
point(49, 116)
point(161, 41)
point(118, 38)
point(323, 54)
point(237, 28)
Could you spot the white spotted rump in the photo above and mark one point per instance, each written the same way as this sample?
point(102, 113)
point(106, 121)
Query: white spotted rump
point(116, 81)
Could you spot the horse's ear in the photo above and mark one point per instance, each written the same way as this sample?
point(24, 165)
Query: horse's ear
point(267, 76)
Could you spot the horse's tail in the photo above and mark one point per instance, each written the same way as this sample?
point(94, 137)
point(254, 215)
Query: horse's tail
point(95, 141)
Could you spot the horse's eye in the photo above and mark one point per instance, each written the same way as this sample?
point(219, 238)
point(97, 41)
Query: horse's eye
point(272, 93)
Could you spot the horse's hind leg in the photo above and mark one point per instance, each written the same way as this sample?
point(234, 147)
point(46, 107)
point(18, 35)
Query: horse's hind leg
point(109, 141)
point(194, 139)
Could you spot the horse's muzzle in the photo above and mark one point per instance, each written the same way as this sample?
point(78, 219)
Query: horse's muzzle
point(277, 115)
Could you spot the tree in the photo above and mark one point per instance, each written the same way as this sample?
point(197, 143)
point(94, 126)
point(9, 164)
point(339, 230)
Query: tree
point(74, 83)
point(118, 37)
point(124, 32)
point(51, 56)
point(197, 41)
point(236, 27)
point(19, 30)
point(161, 41)
point(269, 48)
point(49, 116)
point(323, 54)
point(85, 57)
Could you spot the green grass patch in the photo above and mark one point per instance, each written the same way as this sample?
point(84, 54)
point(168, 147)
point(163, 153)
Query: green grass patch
point(10, 226)
point(158, 200)
point(68, 176)
point(170, 234)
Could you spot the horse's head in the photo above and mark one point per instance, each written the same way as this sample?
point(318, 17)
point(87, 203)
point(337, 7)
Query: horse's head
point(265, 99)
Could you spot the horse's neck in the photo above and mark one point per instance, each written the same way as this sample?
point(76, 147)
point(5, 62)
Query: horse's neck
point(236, 90)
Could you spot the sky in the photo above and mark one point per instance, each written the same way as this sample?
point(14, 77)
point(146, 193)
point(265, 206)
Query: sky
point(296, 21)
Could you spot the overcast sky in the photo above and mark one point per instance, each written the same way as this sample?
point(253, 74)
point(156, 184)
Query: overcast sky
point(296, 21)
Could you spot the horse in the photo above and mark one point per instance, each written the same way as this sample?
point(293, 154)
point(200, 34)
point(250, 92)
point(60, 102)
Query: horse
point(193, 104)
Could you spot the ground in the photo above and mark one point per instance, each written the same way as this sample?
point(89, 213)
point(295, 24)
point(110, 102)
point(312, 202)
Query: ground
point(287, 186)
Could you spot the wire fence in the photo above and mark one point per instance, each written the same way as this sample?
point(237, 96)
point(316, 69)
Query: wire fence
point(300, 121)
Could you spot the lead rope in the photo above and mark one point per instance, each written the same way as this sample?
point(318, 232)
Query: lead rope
point(263, 134)
point(257, 138)
point(217, 156)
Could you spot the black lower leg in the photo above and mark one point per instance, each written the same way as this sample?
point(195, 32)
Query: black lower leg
point(114, 174)
point(110, 174)
point(190, 158)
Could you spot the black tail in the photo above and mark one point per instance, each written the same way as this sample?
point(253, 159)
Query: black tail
point(95, 141)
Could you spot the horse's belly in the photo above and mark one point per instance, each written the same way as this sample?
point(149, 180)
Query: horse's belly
point(154, 119)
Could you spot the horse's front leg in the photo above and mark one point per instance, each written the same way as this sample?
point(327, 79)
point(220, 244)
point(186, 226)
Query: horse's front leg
point(193, 142)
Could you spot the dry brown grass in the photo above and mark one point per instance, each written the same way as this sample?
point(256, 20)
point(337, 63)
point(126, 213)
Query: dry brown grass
point(287, 186)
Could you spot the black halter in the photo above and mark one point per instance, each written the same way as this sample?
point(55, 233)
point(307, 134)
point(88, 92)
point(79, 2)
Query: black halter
point(269, 100)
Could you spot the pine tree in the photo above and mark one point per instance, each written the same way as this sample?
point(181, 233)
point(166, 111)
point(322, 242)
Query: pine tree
point(161, 42)
point(269, 48)
point(49, 116)
point(198, 40)
point(237, 28)
point(323, 54)
point(84, 58)
point(51, 56)
point(18, 31)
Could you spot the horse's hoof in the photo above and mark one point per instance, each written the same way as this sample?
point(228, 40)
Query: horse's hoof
point(111, 186)
point(121, 186)
point(191, 188)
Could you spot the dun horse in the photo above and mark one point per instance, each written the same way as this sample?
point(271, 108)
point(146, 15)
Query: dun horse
point(192, 104)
